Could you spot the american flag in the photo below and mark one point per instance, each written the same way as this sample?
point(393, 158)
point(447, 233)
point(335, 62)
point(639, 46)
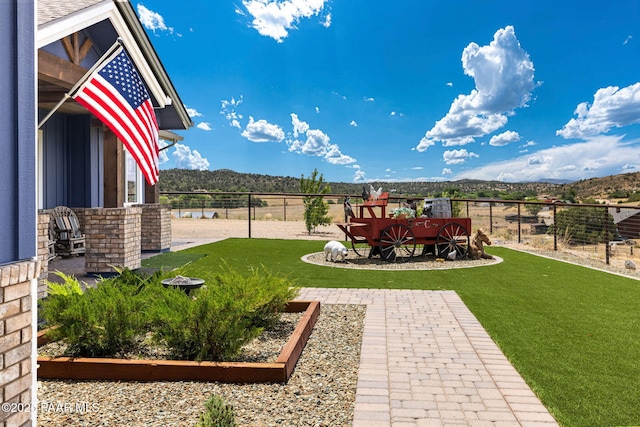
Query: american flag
point(116, 95)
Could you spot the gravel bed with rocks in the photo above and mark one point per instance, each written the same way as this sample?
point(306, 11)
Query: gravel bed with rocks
point(421, 262)
point(579, 259)
point(263, 349)
point(321, 391)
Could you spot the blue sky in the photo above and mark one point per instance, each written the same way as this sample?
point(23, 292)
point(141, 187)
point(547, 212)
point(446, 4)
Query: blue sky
point(410, 90)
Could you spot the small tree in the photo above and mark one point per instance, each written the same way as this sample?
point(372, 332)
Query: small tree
point(584, 225)
point(532, 208)
point(315, 208)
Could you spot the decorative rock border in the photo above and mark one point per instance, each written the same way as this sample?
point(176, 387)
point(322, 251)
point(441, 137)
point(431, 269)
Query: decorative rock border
point(183, 370)
point(353, 261)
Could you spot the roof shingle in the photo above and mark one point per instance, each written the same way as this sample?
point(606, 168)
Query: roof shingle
point(51, 10)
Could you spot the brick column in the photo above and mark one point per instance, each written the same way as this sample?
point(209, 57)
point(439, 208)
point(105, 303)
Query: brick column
point(43, 251)
point(156, 227)
point(112, 238)
point(15, 338)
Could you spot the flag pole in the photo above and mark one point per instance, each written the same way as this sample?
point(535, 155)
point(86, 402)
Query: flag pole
point(75, 87)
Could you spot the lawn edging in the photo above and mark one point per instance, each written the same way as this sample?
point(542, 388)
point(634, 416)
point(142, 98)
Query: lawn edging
point(183, 370)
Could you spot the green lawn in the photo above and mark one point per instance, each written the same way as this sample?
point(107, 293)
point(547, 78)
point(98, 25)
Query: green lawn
point(573, 333)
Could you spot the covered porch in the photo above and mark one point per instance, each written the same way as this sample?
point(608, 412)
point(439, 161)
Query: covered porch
point(82, 164)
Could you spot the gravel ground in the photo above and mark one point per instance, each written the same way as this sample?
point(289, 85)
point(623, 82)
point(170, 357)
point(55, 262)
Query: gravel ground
point(426, 262)
point(577, 258)
point(321, 391)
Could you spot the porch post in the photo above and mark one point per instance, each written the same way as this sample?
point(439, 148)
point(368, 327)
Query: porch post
point(156, 227)
point(112, 239)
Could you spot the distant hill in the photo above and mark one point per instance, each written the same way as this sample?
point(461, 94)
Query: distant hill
point(184, 180)
point(620, 186)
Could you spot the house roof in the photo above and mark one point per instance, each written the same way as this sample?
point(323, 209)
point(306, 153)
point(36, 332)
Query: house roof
point(50, 10)
point(620, 214)
point(103, 21)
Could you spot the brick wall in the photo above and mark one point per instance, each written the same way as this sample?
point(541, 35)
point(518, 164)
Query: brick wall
point(43, 251)
point(15, 338)
point(112, 238)
point(156, 227)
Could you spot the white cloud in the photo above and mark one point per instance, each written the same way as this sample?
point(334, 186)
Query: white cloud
point(456, 157)
point(299, 127)
point(612, 107)
point(336, 157)
point(354, 123)
point(446, 171)
point(417, 168)
point(317, 143)
point(425, 143)
point(152, 20)
point(450, 84)
point(274, 18)
point(627, 40)
point(599, 156)
point(504, 138)
point(359, 174)
point(204, 126)
point(192, 112)
point(262, 131)
point(228, 110)
point(344, 97)
point(504, 80)
point(318, 110)
point(162, 155)
point(369, 99)
point(187, 159)
point(327, 21)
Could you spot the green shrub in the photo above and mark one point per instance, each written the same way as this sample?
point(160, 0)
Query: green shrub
point(266, 293)
point(102, 321)
point(213, 323)
point(217, 414)
point(225, 314)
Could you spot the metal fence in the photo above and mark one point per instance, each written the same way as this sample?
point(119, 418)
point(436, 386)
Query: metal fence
point(607, 233)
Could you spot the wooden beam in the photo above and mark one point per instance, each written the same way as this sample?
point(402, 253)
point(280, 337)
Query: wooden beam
point(76, 52)
point(67, 43)
point(50, 96)
point(84, 49)
point(53, 69)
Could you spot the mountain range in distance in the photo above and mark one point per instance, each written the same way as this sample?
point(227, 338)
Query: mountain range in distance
point(225, 180)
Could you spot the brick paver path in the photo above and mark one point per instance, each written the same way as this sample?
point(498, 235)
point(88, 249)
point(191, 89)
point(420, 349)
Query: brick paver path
point(427, 361)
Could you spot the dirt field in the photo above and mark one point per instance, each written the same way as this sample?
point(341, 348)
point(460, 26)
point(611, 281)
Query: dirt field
point(193, 231)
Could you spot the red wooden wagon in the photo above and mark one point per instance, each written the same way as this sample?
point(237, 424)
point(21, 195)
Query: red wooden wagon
point(374, 232)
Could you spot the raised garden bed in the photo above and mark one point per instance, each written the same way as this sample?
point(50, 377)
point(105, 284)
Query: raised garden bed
point(183, 370)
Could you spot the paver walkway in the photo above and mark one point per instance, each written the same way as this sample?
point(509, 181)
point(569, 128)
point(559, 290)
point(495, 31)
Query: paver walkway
point(427, 361)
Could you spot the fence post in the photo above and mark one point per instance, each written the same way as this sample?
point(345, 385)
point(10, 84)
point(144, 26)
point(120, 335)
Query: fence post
point(490, 217)
point(555, 228)
point(607, 247)
point(249, 213)
point(519, 224)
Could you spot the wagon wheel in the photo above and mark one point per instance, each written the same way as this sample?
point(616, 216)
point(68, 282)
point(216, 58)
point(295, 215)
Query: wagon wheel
point(452, 237)
point(361, 247)
point(397, 243)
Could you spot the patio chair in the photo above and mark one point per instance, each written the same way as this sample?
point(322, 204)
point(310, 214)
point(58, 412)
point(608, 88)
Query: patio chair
point(69, 240)
point(51, 243)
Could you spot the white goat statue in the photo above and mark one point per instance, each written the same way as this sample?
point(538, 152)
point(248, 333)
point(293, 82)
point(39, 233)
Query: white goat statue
point(335, 249)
